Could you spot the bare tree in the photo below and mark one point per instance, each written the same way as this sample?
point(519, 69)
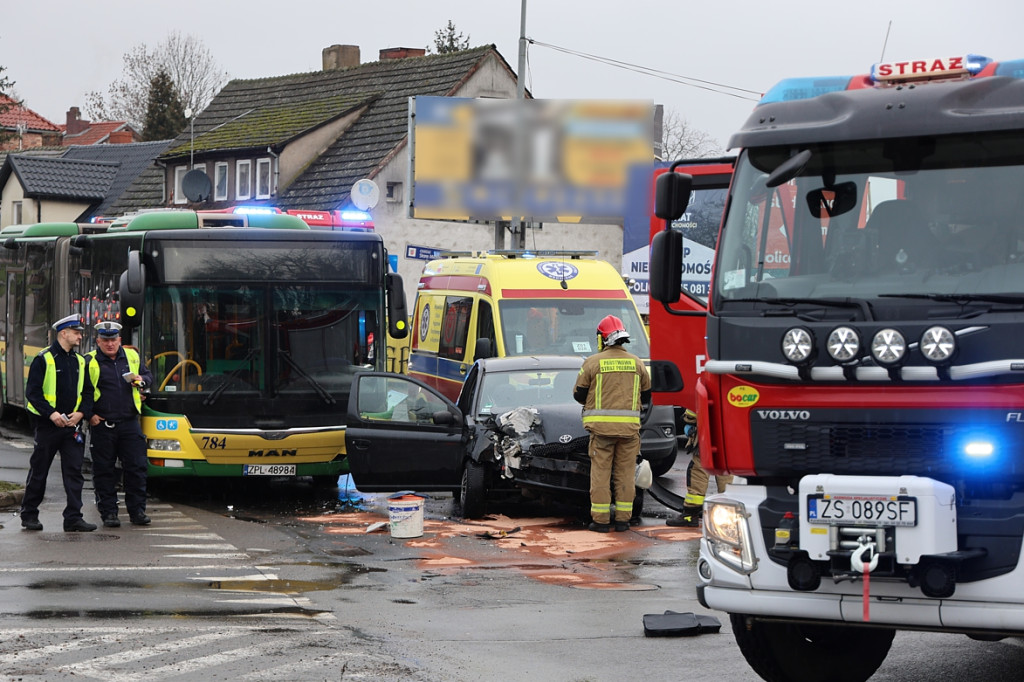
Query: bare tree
point(680, 140)
point(446, 40)
point(7, 89)
point(188, 62)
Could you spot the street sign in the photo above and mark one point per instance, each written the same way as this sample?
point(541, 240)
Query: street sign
point(422, 252)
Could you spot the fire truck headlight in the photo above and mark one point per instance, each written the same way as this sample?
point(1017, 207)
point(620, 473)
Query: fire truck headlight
point(843, 344)
point(728, 534)
point(888, 347)
point(798, 345)
point(938, 345)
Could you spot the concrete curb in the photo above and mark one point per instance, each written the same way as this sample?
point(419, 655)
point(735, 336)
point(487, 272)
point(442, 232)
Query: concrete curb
point(11, 498)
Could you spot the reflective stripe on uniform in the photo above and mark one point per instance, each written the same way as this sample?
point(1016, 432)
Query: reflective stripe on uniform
point(597, 395)
point(133, 365)
point(624, 507)
point(636, 391)
point(50, 382)
point(692, 500)
point(593, 419)
point(596, 509)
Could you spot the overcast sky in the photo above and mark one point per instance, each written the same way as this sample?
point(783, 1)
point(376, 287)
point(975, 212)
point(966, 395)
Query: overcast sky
point(59, 50)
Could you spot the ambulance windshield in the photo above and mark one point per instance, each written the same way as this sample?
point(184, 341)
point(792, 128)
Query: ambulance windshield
point(565, 327)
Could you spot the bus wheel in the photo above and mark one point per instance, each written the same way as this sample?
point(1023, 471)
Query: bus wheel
point(802, 652)
point(473, 490)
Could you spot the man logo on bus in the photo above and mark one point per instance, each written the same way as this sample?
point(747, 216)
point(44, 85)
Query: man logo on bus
point(425, 322)
point(558, 270)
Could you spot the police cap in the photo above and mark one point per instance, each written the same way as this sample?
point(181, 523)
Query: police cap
point(108, 329)
point(69, 322)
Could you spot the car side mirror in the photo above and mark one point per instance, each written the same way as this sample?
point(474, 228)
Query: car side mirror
point(484, 349)
point(446, 418)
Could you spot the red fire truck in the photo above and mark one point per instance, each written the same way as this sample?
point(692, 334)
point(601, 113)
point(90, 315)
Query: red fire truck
point(864, 373)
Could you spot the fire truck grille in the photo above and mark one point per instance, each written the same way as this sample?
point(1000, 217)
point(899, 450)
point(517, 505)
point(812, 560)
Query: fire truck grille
point(935, 449)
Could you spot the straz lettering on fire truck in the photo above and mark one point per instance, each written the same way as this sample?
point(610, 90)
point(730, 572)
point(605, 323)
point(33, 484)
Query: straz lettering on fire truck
point(273, 453)
point(784, 415)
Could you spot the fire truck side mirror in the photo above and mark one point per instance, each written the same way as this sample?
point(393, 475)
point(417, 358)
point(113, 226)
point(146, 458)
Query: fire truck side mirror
point(672, 195)
point(398, 315)
point(132, 290)
point(666, 266)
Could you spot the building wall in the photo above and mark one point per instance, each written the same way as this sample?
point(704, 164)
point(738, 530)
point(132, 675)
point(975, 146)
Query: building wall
point(10, 193)
point(33, 210)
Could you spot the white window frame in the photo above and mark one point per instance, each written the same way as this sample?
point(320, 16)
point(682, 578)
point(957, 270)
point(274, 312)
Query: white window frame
point(179, 193)
point(220, 170)
point(264, 166)
point(17, 212)
point(240, 192)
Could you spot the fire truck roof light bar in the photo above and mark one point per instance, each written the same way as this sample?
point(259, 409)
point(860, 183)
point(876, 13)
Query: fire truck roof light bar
point(778, 370)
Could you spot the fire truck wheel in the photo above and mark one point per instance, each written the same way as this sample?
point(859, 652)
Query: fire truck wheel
point(797, 652)
point(473, 490)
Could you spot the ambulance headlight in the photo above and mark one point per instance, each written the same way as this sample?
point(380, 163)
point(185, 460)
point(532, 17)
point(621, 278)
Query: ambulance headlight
point(888, 347)
point(798, 345)
point(843, 344)
point(938, 345)
point(727, 531)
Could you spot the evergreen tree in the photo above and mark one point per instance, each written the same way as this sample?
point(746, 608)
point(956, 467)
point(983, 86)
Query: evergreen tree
point(165, 115)
point(5, 85)
point(447, 40)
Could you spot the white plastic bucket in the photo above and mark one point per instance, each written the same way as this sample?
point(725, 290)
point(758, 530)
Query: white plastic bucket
point(406, 516)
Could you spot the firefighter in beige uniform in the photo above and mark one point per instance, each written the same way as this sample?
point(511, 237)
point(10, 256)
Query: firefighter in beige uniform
point(611, 386)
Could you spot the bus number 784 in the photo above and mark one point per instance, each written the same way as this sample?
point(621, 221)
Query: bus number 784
point(214, 443)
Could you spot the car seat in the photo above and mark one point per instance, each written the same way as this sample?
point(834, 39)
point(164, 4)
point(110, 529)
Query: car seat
point(901, 232)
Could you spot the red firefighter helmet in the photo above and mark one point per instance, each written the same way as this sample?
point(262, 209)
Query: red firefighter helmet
point(612, 331)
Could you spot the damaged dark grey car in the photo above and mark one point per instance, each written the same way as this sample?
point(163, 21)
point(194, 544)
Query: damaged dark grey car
point(514, 430)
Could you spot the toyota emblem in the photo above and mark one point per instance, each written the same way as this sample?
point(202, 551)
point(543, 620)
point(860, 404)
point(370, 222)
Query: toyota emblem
point(564, 438)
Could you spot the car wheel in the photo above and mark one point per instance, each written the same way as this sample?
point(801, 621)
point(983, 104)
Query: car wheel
point(662, 466)
point(473, 490)
point(802, 652)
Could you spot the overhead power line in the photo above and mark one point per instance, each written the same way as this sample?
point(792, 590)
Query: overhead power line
point(711, 86)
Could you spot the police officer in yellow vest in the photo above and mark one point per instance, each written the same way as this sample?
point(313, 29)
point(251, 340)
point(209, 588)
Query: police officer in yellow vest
point(611, 386)
point(119, 376)
point(59, 397)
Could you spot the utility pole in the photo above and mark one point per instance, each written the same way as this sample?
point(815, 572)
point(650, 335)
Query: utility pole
point(518, 221)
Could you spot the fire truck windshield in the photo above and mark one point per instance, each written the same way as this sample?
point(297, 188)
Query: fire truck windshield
point(875, 219)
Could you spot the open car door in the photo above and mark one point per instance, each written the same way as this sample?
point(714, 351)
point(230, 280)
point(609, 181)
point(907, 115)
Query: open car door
point(402, 434)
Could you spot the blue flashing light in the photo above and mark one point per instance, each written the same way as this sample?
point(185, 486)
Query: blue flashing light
point(979, 449)
point(805, 88)
point(255, 210)
point(356, 216)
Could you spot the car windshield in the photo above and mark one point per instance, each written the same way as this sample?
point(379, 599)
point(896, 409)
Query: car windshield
point(504, 391)
point(566, 327)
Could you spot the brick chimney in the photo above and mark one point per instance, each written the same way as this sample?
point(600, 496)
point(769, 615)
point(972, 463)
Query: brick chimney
point(120, 137)
point(401, 52)
point(340, 57)
point(75, 123)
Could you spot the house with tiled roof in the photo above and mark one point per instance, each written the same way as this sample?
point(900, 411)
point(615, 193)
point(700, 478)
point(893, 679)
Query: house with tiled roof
point(80, 132)
point(302, 141)
point(70, 184)
point(25, 128)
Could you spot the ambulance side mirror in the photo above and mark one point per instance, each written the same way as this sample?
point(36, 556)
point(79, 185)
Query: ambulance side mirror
point(398, 314)
point(484, 349)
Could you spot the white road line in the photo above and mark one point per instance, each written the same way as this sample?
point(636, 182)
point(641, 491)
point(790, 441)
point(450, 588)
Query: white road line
point(20, 445)
point(198, 546)
point(100, 666)
point(223, 555)
point(182, 667)
point(63, 647)
point(224, 579)
point(190, 536)
point(71, 569)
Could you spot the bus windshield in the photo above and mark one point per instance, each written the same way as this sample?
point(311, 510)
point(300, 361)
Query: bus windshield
point(565, 326)
point(875, 221)
point(270, 339)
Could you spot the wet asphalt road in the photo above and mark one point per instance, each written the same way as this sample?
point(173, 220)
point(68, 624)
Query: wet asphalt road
point(282, 581)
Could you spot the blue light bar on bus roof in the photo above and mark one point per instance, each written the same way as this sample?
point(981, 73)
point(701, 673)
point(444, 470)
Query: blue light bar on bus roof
point(805, 88)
